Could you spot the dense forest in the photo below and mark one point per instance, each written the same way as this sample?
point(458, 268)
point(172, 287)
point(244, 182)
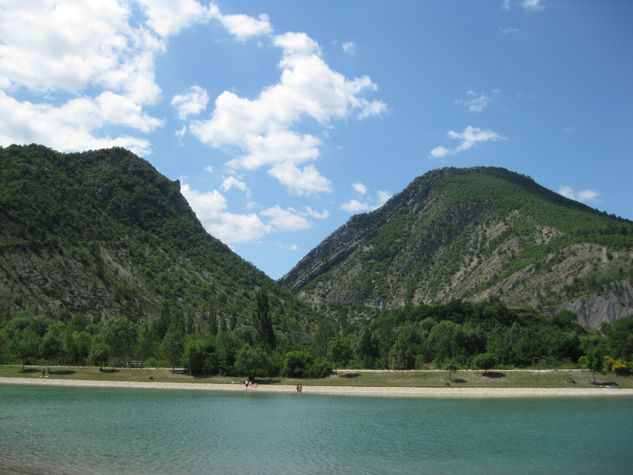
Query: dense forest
point(459, 334)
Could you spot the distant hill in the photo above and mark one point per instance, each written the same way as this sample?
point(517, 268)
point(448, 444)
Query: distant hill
point(474, 234)
point(102, 233)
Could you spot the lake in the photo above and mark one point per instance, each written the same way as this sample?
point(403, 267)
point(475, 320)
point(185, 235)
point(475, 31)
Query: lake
point(49, 429)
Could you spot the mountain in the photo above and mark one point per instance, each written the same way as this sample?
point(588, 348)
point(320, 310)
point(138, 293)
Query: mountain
point(102, 233)
point(474, 234)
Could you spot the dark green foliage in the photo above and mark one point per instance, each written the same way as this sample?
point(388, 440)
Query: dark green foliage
point(252, 362)
point(620, 335)
point(262, 321)
point(484, 361)
point(51, 347)
point(301, 364)
point(172, 345)
point(200, 357)
point(99, 352)
point(103, 234)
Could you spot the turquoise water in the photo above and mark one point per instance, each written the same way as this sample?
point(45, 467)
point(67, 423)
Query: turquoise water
point(133, 431)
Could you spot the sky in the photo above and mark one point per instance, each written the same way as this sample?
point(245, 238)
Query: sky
point(282, 119)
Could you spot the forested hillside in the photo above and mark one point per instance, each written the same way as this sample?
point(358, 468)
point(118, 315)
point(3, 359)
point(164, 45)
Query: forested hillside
point(474, 234)
point(103, 234)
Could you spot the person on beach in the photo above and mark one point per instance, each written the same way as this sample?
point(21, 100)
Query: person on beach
point(246, 383)
point(299, 388)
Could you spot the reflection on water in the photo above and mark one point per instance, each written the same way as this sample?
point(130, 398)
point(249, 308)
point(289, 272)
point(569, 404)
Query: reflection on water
point(122, 431)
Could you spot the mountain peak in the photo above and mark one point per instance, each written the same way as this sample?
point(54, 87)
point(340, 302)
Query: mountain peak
point(473, 234)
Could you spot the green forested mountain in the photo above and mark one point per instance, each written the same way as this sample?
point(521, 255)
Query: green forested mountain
point(103, 234)
point(474, 234)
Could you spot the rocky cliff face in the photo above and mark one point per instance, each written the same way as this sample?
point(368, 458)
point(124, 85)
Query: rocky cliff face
point(474, 234)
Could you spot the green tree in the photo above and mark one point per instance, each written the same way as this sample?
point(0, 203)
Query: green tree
point(262, 321)
point(99, 352)
point(26, 346)
point(251, 362)
point(339, 352)
point(77, 346)
point(172, 346)
point(450, 365)
point(200, 357)
point(51, 347)
point(484, 361)
point(119, 334)
point(595, 361)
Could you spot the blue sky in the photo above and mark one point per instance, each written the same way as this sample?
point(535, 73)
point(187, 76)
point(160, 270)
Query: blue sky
point(281, 119)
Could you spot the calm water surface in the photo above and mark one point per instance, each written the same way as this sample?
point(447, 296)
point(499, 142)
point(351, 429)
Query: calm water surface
point(134, 431)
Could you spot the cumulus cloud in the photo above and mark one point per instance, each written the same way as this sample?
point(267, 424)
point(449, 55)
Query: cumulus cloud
point(211, 209)
point(244, 27)
point(92, 65)
point(359, 188)
point(356, 206)
point(285, 219)
point(265, 129)
point(191, 102)
point(585, 196)
point(468, 137)
point(232, 182)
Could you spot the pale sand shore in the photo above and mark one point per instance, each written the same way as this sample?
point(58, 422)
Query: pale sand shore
point(414, 392)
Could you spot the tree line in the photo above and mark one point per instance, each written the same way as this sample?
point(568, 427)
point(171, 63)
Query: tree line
point(454, 335)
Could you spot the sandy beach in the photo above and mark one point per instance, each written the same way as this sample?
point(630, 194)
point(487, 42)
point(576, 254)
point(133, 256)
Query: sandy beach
point(414, 392)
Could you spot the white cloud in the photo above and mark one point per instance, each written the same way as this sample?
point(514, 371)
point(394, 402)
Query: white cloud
point(91, 65)
point(584, 196)
point(244, 27)
point(208, 168)
point(230, 228)
point(475, 101)
point(169, 17)
point(383, 197)
point(532, 5)
point(285, 219)
point(232, 182)
point(294, 247)
point(315, 214)
point(191, 102)
point(356, 206)
point(439, 152)
point(506, 5)
point(349, 47)
point(264, 129)
point(359, 188)
point(306, 180)
point(469, 137)
point(66, 128)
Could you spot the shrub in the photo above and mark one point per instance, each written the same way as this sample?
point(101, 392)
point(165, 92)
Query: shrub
point(620, 368)
point(484, 361)
point(301, 364)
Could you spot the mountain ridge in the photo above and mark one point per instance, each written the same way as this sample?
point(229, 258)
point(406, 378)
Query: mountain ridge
point(103, 233)
point(474, 234)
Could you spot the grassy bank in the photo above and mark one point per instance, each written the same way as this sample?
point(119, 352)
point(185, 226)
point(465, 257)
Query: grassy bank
point(465, 378)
